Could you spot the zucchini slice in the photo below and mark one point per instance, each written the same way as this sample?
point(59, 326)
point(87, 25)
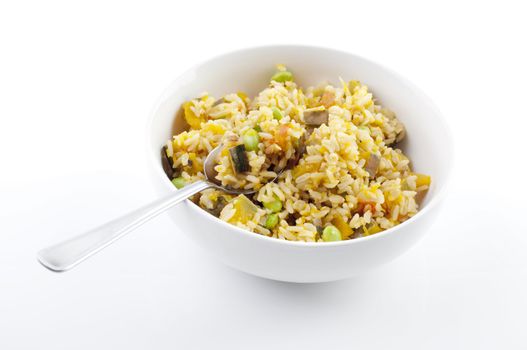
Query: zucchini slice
point(239, 160)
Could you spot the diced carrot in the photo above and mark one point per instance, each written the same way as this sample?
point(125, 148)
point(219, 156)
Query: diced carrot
point(281, 135)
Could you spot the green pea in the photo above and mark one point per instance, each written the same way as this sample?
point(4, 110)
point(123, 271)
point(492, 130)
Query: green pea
point(277, 114)
point(274, 206)
point(282, 76)
point(251, 140)
point(271, 221)
point(179, 182)
point(331, 233)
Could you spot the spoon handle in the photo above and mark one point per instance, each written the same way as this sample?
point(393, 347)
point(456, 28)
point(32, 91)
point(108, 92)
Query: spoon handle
point(65, 255)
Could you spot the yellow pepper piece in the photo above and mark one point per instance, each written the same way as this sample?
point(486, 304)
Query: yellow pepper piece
point(364, 155)
point(214, 128)
point(342, 226)
point(192, 119)
point(423, 180)
point(304, 168)
point(373, 229)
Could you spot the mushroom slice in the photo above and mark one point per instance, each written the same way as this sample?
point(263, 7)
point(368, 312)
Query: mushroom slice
point(167, 163)
point(401, 135)
point(372, 164)
point(299, 152)
point(420, 196)
point(316, 118)
point(218, 207)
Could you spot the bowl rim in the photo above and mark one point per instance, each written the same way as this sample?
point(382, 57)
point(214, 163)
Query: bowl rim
point(433, 203)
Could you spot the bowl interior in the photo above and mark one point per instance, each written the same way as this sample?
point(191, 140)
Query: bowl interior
point(427, 143)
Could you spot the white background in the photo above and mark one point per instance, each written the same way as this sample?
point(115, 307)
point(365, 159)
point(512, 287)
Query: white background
point(77, 82)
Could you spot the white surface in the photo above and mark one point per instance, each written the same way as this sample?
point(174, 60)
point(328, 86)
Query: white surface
point(89, 74)
point(429, 146)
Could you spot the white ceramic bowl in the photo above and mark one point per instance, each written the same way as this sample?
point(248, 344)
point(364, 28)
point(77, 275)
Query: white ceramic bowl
point(428, 145)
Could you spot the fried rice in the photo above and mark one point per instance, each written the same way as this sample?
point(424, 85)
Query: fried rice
point(334, 147)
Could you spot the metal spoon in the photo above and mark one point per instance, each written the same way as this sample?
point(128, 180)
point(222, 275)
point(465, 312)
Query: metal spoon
point(65, 255)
